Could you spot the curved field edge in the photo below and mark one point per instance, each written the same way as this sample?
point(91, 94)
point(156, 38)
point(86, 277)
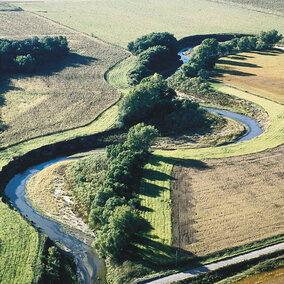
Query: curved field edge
point(272, 137)
point(104, 122)
point(156, 184)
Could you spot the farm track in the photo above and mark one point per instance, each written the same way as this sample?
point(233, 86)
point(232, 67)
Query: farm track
point(217, 265)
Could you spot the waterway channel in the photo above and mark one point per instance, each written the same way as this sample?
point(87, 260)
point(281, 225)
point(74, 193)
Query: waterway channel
point(88, 262)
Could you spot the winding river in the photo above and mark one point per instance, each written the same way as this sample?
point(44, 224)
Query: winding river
point(88, 263)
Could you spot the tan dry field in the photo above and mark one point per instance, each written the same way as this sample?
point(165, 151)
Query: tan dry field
point(270, 277)
point(221, 203)
point(64, 95)
point(261, 73)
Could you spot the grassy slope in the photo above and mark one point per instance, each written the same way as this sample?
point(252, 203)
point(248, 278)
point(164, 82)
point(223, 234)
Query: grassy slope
point(19, 247)
point(120, 21)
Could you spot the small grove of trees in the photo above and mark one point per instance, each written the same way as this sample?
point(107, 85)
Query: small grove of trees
point(155, 103)
point(57, 268)
point(156, 52)
point(113, 210)
point(205, 56)
point(26, 56)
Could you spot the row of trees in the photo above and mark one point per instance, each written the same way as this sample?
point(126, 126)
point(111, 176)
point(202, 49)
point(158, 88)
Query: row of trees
point(114, 209)
point(26, 56)
point(155, 103)
point(205, 56)
point(156, 52)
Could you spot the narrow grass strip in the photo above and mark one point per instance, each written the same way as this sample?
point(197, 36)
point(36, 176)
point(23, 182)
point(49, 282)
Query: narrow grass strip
point(272, 137)
point(155, 198)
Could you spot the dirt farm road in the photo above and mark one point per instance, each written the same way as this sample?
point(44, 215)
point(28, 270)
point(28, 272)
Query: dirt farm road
point(216, 265)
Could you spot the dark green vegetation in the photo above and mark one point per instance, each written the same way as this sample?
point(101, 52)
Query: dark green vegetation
point(207, 53)
point(156, 52)
point(112, 210)
point(53, 265)
point(57, 267)
point(155, 103)
point(261, 264)
point(26, 56)
point(105, 191)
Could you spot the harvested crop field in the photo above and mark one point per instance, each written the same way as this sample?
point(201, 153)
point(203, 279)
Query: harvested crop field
point(259, 72)
point(221, 203)
point(65, 95)
point(111, 20)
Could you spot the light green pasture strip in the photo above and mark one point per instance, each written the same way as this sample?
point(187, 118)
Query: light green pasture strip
point(120, 21)
point(272, 137)
point(104, 122)
point(18, 247)
point(117, 76)
point(155, 195)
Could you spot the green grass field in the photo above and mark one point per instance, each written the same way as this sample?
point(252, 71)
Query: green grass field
point(20, 248)
point(120, 21)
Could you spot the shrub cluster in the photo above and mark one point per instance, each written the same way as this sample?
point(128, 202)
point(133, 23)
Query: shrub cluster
point(205, 56)
point(153, 39)
point(25, 56)
point(156, 52)
point(113, 210)
point(83, 178)
point(155, 103)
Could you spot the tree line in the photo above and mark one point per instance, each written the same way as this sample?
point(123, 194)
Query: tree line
point(205, 56)
point(27, 56)
point(114, 213)
point(155, 52)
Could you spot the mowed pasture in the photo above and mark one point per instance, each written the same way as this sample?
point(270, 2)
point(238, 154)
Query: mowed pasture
point(65, 95)
point(120, 21)
point(20, 248)
point(223, 203)
point(261, 72)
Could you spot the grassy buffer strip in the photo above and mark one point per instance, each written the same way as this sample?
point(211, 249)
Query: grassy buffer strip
point(158, 180)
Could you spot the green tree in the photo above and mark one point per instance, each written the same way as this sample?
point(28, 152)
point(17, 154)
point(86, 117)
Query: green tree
point(140, 137)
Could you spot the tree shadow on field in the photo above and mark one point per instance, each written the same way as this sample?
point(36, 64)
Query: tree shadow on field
point(72, 60)
point(236, 63)
point(220, 72)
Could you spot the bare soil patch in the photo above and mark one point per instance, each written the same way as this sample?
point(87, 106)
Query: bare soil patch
point(217, 204)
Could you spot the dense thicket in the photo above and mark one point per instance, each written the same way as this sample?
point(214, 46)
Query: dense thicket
point(56, 267)
point(83, 179)
point(155, 103)
point(205, 56)
point(163, 39)
point(113, 209)
point(156, 52)
point(26, 56)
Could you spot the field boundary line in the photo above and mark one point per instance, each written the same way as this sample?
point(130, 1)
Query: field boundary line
point(215, 265)
point(62, 131)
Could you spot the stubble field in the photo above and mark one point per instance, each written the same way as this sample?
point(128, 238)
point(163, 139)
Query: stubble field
point(68, 94)
point(120, 21)
point(261, 73)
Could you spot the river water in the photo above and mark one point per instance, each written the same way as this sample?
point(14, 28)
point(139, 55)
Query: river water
point(88, 262)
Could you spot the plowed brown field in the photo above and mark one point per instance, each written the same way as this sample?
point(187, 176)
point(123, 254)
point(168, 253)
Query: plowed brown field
point(222, 203)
